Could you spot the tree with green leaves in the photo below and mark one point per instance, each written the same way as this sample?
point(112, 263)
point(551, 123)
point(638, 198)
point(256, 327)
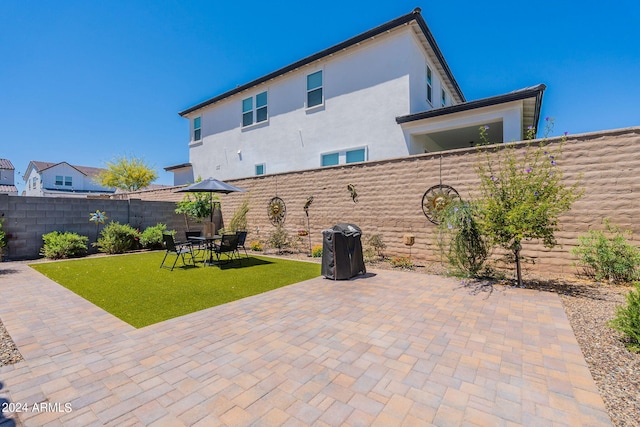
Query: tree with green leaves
point(522, 194)
point(127, 173)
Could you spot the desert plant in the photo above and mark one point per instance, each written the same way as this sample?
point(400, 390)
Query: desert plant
point(316, 251)
point(607, 255)
point(256, 245)
point(522, 195)
point(627, 319)
point(3, 238)
point(151, 237)
point(404, 262)
point(376, 243)
point(117, 238)
point(461, 240)
point(279, 239)
point(63, 245)
point(239, 220)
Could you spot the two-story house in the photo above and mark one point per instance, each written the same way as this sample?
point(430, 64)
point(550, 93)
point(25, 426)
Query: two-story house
point(62, 179)
point(7, 178)
point(385, 93)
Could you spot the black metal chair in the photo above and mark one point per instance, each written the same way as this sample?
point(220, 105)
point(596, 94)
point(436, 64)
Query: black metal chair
point(179, 249)
point(198, 244)
point(228, 246)
point(242, 238)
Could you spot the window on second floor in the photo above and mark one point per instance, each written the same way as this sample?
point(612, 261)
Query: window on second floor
point(429, 85)
point(59, 180)
point(197, 129)
point(315, 94)
point(347, 156)
point(444, 98)
point(67, 181)
point(257, 114)
point(260, 169)
point(35, 182)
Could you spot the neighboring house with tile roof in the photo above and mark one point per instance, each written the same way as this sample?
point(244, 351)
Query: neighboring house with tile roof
point(46, 179)
point(7, 178)
point(385, 93)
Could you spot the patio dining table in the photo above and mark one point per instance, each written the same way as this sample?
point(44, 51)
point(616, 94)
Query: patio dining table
point(209, 244)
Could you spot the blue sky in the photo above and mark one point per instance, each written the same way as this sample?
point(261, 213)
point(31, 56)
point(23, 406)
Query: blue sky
point(86, 81)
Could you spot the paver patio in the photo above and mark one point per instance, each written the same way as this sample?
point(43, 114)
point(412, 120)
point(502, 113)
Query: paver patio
point(392, 348)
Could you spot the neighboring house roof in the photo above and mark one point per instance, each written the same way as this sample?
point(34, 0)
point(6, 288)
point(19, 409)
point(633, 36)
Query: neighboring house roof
point(85, 170)
point(424, 34)
point(8, 188)
point(6, 164)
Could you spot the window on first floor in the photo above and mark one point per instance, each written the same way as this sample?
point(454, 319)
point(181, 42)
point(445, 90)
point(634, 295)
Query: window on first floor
point(330, 159)
point(314, 89)
point(260, 169)
point(347, 156)
point(254, 109)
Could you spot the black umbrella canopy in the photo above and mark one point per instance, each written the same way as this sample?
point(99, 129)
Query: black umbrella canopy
point(211, 185)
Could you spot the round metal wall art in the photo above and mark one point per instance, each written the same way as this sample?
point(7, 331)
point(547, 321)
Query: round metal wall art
point(436, 199)
point(277, 211)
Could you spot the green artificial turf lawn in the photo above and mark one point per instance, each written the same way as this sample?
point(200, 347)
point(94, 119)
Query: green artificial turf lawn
point(134, 288)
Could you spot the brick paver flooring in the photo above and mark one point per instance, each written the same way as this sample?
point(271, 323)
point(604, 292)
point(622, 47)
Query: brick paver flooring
point(388, 349)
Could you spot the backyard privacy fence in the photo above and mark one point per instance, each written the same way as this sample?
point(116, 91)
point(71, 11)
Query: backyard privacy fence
point(389, 200)
point(26, 219)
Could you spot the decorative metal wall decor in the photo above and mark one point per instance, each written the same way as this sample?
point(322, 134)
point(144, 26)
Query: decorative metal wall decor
point(436, 199)
point(354, 194)
point(277, 211)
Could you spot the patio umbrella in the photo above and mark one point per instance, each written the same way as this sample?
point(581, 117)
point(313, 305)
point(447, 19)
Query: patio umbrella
point(211, 185)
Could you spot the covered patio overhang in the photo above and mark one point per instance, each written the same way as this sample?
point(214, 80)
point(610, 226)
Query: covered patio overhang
point(508, 117)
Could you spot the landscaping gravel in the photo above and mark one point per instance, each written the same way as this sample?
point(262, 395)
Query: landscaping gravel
point(589, 306)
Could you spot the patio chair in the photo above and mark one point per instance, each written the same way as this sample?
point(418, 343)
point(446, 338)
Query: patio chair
point(228, 246)
point(198, 244)
point(242, 238)
point(180, 250)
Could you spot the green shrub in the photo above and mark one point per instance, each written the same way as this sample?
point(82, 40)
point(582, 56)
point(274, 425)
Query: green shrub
point(63, 245)
point(118, 238)
point(279, 239)
point(375, 242)
point(608, 255)
point(461, 239)
point(627, 319)
point(239, 220)
point(151, 237)
point(3, 238)
point(256, 245)
point(402, 262)
point(316, 251)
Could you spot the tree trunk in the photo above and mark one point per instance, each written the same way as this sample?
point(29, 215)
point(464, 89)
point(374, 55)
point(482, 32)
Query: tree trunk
point(516, 253)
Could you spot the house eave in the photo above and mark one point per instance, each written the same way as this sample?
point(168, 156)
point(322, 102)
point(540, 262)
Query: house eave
point(534, 92)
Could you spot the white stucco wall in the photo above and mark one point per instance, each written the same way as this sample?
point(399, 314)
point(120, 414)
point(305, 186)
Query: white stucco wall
point(365, 89)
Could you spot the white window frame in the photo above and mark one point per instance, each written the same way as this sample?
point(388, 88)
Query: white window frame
point(264, 169)
point(443, 97)
point(60, 181)
point(68, 181)
point(342, 155)
point(314, 89)
point(254, 110)
point(429, 82)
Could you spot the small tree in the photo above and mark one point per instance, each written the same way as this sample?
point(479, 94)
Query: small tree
point(522, 195)
point(129, 174)
point(239, 220)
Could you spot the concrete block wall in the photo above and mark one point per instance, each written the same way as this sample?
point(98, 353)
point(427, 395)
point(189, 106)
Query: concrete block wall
point(26, 219)
point(607, 165)
point(390, 196)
